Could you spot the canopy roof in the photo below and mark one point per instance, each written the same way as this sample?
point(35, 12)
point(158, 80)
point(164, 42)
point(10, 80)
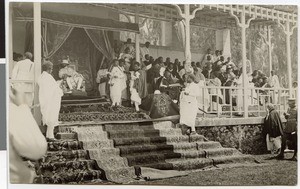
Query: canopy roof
point(24, 12)
point(216, 16)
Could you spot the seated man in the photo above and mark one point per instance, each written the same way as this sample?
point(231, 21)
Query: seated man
point(166, 84)
point(73, 80)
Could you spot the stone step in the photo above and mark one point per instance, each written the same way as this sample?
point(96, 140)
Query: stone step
point(76, 176)
point(157, 139)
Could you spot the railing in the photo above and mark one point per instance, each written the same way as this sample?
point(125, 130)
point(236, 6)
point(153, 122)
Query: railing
point(228, 102)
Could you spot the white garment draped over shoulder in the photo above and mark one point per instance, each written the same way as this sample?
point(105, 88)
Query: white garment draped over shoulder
point(50, 99)
point(24, 70)
point(117, 83)
point(25, 140)
point(189, 105)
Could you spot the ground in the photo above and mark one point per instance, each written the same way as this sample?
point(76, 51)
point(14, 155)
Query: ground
point(268, 172)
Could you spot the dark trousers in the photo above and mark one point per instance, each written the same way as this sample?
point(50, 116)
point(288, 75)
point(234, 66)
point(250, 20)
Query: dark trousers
point(290, 137)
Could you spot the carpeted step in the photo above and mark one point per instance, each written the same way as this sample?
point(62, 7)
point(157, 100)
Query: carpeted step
point(83, 164)
point(189, 164)
point(97, 144)
point(65, 155)
point(157, 139)
point(64, 145)
point(149, 158)
point(74, 176)
point(66, 136)
point(220, 152)
point(233, 159)
point(142, 133)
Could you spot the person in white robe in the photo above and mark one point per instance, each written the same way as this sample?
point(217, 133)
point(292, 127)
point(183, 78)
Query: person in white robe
point(240, 94)
point(145, 50)
point(24, 70)
point(274, 82)
point(188, 103)
point(74, 80)
point(203, 97)
point(133, 86)
point(127, 57)
point(116, 83)
point(26, 141)
point(50, 99)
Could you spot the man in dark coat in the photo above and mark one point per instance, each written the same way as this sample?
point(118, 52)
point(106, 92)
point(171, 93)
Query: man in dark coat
point(290, 131)
point(273, 124)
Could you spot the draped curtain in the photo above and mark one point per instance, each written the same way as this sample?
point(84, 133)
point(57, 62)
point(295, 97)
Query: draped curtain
point(180, 32)
point(101, 41)
point(53, 36)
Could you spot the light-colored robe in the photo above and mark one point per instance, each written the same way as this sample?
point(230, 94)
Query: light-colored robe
point(24, 70)
point(116, 84)
point(189, 105)
point(26, 140)
point(102, 73)
point(50, 99)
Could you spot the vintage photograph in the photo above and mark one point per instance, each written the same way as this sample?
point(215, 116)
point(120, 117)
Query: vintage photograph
point(152, 94)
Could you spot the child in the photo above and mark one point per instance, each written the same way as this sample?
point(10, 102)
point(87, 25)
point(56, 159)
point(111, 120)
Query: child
point(116, 83)
point(188, 103)
point(134, 86)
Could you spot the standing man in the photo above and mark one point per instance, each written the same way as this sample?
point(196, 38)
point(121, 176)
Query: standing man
point(290, 131)
point(24, 70)
point(145, 50)
point(50, 99)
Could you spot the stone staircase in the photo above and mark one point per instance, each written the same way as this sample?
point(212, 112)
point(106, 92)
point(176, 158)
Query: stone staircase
point(110, 151)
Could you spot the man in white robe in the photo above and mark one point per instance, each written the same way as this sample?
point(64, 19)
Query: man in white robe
point(50, 99)
point(25, 140)
point(24, 70)
point(145, 50)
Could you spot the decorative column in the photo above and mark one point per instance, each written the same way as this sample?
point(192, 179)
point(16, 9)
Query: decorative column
point(270, 49)
point(288, 32)
point(241, 22)
point(137, 41)
point(37, 56)
point(186, 15)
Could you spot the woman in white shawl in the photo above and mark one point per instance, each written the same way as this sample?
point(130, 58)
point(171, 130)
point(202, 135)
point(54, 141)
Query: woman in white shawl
point(116, 83)
point(188, 103)
point(50, 99)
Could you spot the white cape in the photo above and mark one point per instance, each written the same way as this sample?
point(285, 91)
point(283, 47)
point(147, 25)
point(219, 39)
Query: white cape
point(50, 99)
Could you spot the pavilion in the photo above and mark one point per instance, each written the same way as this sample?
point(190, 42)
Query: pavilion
point(220, 17)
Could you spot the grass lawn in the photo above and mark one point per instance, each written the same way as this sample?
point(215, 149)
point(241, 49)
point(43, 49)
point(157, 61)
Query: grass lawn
point(268, 172)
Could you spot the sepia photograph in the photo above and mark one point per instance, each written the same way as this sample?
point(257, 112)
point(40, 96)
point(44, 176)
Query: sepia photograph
point(152, 94)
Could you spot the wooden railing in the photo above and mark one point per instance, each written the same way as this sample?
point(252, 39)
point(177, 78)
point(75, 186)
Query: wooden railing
point(228, 102)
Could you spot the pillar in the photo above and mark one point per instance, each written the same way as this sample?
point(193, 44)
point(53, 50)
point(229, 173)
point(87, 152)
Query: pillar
point(244, 59)
point(163, 33)
point(270, 49)
point(241, 22)
point(37, 56)
point(288, 55)
point(187, 51)
point(10, 36)
point(137, 42)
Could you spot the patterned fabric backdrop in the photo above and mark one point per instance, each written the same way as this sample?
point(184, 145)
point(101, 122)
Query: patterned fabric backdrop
point(83, 54)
